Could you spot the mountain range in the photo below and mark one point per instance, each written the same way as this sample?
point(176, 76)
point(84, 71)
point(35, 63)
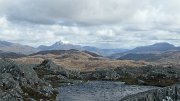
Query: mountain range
point(138, 53)
point(59, 46)
point(16, 48)
point(25, 49)
point(156, 48)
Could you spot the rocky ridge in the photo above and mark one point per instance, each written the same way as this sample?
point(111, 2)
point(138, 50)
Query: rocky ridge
point(36, 82)
point(171, 93)
point(21, 82)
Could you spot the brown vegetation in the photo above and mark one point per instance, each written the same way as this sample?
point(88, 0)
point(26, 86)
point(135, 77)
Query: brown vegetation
point(78, 61)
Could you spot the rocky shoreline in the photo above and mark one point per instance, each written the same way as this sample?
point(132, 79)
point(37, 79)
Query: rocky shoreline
point(171, 93)
point(35, 82)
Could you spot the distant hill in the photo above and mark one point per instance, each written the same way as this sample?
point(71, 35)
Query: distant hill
point(138, 57)
point(25, 49)
point(92, 54)
point(164, 58)
point(10, 55)
point(68, 54)
point(104, 52)
point(63, 46)
point(171, 58)
point(155, 48)
point(16, 48)
point(55, 52)
point(75, 60)
point(150, 50)
point(59, 46)
point(143, 51)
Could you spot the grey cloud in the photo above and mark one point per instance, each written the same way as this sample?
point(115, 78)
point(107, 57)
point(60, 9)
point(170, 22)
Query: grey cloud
point(140, 14)
point(76, 11)
point(118, 23)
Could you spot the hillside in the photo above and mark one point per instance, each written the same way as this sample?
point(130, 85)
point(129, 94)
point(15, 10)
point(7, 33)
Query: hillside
point(25, 49)
point(156, 48)
point(170, 58)
point(165, 58)
point(59, 46)
point(76, 60)
point(139, 57)
point(10, 55)
point(64, 46)
point(104, 52)
point(16, 48)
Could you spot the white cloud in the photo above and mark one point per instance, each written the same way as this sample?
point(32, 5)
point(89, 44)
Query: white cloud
point(103, 23)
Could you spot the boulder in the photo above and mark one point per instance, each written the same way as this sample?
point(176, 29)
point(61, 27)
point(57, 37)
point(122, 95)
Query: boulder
point(162, 94)
point(54, 74)
point(10, 89)
point(28, 81)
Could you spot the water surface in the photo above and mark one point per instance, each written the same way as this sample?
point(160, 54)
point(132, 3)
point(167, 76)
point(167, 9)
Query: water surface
point(99, 91)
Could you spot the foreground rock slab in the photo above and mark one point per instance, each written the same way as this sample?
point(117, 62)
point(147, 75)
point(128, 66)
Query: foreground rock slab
point(20, 82)
point(170, 93)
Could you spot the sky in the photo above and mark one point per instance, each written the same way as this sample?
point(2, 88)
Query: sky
point(100, 23)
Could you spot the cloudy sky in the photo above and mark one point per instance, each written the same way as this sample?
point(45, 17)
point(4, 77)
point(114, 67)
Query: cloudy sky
point(100, 23)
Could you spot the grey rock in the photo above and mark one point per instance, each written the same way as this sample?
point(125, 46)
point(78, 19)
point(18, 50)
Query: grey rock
point(31, 85)
point(146, 75)
point(54, 74)
point(9, 88)
point(163, 94)
point(141, 82)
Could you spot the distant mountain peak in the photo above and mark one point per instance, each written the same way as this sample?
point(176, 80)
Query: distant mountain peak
point(5, 43)
point(156, 48)
point(163, 44)
point(58, 43)
point(6, 46)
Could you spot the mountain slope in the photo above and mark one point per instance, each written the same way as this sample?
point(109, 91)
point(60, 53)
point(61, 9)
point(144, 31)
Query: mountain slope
point(25, 49)
point(155, 48)
point(75, 60)
point(59, 46)
point(11, 55)
point(138, 57)
point(170, 58)
point(67, 54)
point(63, 46)
point(104, 52)
point(150, 49)
point(16, 48)
point(166, 58)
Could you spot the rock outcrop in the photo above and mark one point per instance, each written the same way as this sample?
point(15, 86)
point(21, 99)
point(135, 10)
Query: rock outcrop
point(35, 82)
point(146, 75)
point(170, 93)
point(10, 89)
point(21, 82)
point(54, 74)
